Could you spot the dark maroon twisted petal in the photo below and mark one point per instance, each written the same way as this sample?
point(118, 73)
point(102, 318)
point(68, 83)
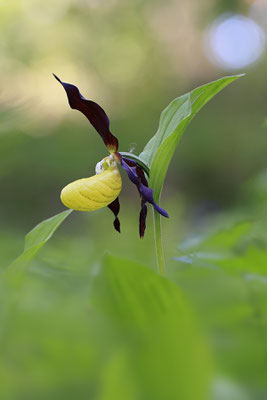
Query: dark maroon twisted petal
point(115, 208)
point(142, 218)
point(93, 112)
point(137, 176)
point(141, 175)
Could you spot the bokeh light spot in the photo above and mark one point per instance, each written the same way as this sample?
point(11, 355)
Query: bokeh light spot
point(234, 41)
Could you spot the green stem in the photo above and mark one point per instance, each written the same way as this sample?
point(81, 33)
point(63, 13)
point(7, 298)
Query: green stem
point(158, 243)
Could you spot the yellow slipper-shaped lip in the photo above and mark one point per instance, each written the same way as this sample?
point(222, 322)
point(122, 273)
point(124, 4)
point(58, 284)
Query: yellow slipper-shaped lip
point(92, 193)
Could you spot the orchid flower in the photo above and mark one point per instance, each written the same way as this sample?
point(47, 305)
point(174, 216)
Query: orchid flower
point(103, 189)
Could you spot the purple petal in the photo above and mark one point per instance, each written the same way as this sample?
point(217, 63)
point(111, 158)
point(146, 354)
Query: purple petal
point(115, 208)
point(93, 112)
point(161, 210)
point(148, 196)
point(137, 176)
point(138, 170)
point(131, 171)
point(131, 163)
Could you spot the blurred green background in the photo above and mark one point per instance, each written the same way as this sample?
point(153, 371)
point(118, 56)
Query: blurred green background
point(133, 58)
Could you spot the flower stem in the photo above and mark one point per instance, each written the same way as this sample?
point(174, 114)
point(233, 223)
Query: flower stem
point(158, 243)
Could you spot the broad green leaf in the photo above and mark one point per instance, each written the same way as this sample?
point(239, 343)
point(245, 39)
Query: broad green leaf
point(231, 250)
point(228, 238)
point(37, 237)
point(252, 261)
point(146, 319)
point(158, 152)
point(228, 282)
point(222, 239)
point(171, 117)
point(116, 380)
point(217, 249)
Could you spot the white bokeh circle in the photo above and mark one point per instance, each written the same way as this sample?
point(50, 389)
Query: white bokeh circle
point(234, 41)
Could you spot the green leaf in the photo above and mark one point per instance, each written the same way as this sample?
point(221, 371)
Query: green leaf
point(233, 250)
point(37, 237)
point(219, 248)
point(228, 285)
point(158, 152)
point(146, 319)
point(219, 239)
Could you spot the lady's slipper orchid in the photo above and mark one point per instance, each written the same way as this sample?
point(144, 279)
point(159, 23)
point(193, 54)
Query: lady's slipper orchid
point(103, 189)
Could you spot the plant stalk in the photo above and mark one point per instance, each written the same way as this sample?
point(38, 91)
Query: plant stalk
point(158, 243)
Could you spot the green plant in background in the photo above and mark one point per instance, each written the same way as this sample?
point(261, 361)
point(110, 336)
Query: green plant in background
point(147, 171)
point(152, 162)
point(115, 329)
